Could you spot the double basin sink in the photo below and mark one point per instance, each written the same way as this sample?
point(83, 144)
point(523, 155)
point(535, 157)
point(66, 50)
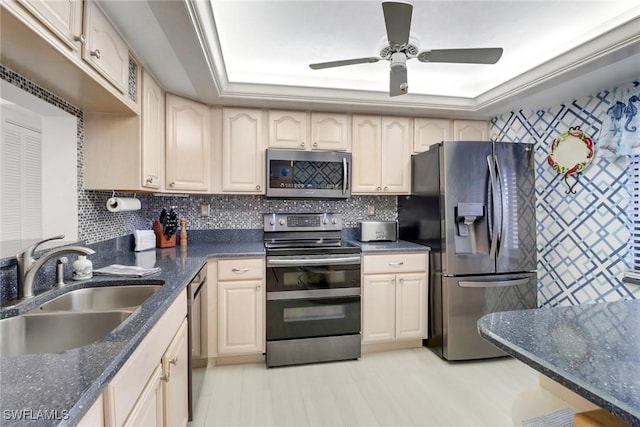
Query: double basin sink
point(74, 319)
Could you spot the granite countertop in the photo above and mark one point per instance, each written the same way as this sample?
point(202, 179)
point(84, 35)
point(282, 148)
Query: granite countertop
point(592, 349)
point(70, 382)
point(397, 246)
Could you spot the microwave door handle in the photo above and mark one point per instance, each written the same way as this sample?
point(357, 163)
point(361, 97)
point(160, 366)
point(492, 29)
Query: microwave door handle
point(345, 175)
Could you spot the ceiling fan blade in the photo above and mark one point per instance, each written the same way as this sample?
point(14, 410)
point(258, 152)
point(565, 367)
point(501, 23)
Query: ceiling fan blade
point(397, 18)
point(398, 81)
point(462, 56)
point(321, 65)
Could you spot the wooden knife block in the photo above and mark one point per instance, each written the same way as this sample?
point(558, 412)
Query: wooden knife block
point(161, 239)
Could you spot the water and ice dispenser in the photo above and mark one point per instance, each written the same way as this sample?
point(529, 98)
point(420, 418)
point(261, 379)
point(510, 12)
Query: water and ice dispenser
point(467, 218)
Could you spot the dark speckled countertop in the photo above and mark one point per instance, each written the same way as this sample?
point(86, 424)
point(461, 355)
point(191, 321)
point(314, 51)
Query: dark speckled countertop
point(70, 382)
point(67, 384)
point(592, 349)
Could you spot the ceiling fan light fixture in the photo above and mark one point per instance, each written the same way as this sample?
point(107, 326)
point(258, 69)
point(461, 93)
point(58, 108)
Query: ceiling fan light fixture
point(398, 60)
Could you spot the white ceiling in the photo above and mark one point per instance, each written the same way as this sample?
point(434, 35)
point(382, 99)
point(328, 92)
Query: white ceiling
point(257, 52)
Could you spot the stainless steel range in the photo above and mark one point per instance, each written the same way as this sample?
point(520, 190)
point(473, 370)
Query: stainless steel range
point(313, 290)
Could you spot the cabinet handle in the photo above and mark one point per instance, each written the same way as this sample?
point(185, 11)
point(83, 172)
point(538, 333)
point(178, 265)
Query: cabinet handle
point(173, 184)
point(302, 144)
point(378, 189)
point(386, 188)
point(166, 377)
point(80, 38)
point(95, 53)
point(396, 264)
point(257, 287)
point(401, 280)
point(315, 144)
point(174, 361)
point(239, 270)
point(150, 180)
point(258, 187)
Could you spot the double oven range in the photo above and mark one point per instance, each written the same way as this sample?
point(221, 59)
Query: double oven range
point(313, 290)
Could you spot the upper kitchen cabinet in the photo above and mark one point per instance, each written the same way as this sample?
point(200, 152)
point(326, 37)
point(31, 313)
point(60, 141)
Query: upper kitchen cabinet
point(93, 70)
point(381, 148)
point(126, 152)
point(330, 131)
point(63, 18)
point(288, 129)
point(243, 157)
point(104, 49)
point(470, 130)
point(153, 141)
point(427, 132)
point(308, 131)
point(188, 135)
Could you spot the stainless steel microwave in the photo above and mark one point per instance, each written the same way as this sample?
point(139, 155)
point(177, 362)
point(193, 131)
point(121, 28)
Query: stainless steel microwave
point(308, 174)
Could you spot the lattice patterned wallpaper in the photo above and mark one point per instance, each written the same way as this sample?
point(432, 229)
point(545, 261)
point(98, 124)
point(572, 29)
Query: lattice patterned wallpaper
point(581, 238)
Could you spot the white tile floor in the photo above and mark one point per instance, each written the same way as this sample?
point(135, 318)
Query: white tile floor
point(396, 388)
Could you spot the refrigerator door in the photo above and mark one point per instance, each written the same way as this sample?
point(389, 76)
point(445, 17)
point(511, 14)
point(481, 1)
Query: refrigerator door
point(464, 181)
point(516, 248)
point(466, 299)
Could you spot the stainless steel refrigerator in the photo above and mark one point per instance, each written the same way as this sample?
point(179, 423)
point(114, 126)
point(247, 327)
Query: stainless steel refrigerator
point(473, 203)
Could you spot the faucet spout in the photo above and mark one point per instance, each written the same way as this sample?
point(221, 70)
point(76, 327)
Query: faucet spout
point(28, 267)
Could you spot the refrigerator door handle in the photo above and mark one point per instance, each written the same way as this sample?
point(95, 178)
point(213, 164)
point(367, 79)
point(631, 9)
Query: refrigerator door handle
point(502, 224)
point(496, 284)
point(494, 203)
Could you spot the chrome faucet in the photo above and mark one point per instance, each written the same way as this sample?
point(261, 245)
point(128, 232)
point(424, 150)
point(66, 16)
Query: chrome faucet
point(28, 266)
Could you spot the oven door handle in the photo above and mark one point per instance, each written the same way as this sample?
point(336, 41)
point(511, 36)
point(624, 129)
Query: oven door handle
point(313, 293)
point(298, 262)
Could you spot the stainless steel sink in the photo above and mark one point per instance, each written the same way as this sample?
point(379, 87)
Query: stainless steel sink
point(56, 332)
point(103, 298)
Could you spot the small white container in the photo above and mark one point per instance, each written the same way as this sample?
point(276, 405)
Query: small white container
point(82, 268)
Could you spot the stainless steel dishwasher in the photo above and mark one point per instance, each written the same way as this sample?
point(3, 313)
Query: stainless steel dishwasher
point(194, 313)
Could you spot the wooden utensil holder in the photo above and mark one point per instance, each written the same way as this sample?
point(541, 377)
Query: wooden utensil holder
point(161, 239)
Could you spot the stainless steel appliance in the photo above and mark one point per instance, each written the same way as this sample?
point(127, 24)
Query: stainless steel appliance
point(313, 290)
point(194, 315)
point(473, 202)
point(308, 174)
point(377, 231)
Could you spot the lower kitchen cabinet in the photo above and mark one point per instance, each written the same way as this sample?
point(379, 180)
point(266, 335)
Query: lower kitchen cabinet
point(151, 387)
point(234, 310)
point(394, 297)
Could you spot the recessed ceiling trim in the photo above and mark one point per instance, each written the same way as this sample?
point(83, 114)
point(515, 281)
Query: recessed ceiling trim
point(617, 44)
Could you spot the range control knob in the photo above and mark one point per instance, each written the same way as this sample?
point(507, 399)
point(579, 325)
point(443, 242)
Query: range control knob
point(272, 222)
point(282, 222)
point(335, 221)
point(325, 221)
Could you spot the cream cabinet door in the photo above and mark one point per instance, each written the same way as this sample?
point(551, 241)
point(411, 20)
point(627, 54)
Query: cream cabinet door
point(411, 306)
point(330, 132)
point(188, 136)
point(175, 380)
point(427, 132)
point(367, 151)
point(288, 129)
point(378, 308)
point(148, 409)
point(470, 130)
point(243, 160)
point(104, 49)
point(62, 17)
point(152, 133)
point(241, 327)
point(396, 155)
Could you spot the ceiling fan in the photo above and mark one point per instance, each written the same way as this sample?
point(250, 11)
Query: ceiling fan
point(397, 18)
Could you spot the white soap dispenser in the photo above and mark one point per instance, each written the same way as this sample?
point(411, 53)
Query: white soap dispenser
point(82, 268)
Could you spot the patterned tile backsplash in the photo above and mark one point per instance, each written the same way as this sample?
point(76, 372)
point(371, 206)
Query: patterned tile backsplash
point(582, 237)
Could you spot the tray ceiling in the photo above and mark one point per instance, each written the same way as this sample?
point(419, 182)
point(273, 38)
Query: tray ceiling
point(258, 52)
